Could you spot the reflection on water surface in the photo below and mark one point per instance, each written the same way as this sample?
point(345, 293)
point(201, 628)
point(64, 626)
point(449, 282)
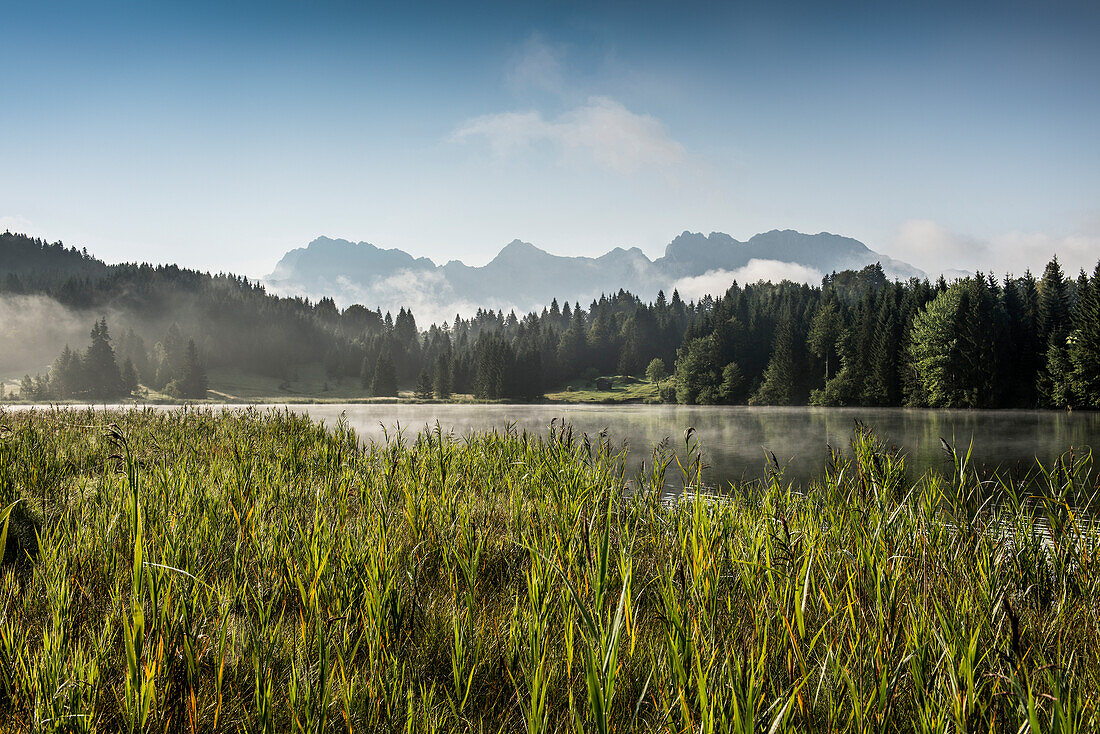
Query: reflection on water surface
point(734, 437)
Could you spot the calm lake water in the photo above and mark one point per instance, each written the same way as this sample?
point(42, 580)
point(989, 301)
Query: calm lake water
point(733, 438)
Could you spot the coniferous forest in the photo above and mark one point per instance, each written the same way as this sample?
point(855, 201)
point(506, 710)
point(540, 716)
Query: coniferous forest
point(856, 339)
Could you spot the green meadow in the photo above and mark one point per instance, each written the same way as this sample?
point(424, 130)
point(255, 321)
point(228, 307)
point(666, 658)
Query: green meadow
point(623, 389)
point(200, 570)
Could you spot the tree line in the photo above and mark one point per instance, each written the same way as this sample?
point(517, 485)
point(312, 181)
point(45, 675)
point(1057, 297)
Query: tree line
point(857, 339)
point(862, 340)
point(173, 368)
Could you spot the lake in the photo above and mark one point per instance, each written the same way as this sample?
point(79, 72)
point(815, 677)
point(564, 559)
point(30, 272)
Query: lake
point(733, 438)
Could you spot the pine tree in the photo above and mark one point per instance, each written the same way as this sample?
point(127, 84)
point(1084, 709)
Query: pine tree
point(66, 375)
point(778, 385)
point(933, 353)
point(1054, 322)
point(731, 391)
point(825, 333)
point(1061, 383)
point(100, 367)
point(573, 347)
point(441, 379)
point(423, 389)
point(495, 365)
point(527, 383)
point(1085, 349)
point(981, 328)
point(602, 348)
point(405, 344)
point(881, 387)
point(1021, 298)
point(638, 340)
point(853, 347)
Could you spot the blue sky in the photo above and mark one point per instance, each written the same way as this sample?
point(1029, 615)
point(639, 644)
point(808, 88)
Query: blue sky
point(220, 135)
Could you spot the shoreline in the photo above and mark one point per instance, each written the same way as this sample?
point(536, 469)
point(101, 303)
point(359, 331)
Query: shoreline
point(275, 400)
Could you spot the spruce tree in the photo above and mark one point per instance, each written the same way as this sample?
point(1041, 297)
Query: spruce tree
point(1054, 322)
point(777, 387)
point(825, 333)
point(100, 367)
point(1022, 350)
point(441, 378)
point(981, 328)
point(601, 341)
point(1085, 349)
point(66, 375)
point(933, 353)
point(881, 385)
point(423, 388)
point(495, 362)
point(732, 388)
point(853, 346)
point(1061, 381)
point(527, 382)
point(573, 347)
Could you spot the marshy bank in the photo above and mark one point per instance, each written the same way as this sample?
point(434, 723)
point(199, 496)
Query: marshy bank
point(733, 439)
point(239, 570)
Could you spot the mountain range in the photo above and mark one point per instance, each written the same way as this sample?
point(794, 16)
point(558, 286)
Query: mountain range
point(524, 277)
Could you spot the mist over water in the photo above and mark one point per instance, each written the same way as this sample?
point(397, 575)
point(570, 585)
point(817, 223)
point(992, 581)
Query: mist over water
point(733, 438)
point(35, 328)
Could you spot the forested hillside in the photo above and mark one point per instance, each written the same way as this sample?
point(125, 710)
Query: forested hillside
point(857, 339)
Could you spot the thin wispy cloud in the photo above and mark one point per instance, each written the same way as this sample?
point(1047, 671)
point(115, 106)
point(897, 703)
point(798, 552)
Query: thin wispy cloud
point(592, 129)
point(537, 66)
point(602, 131)
point(936, 248)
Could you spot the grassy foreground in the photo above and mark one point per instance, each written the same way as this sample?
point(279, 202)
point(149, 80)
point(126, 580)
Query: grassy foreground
point(223, 571)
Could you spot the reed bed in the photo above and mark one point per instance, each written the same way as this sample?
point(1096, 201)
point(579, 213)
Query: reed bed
point(200, 570)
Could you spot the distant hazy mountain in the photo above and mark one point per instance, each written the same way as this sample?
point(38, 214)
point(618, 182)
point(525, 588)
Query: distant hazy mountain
point(525, 277)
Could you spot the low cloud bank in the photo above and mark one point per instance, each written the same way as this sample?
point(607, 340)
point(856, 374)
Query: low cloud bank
point(717, 282)
point(427, 294)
